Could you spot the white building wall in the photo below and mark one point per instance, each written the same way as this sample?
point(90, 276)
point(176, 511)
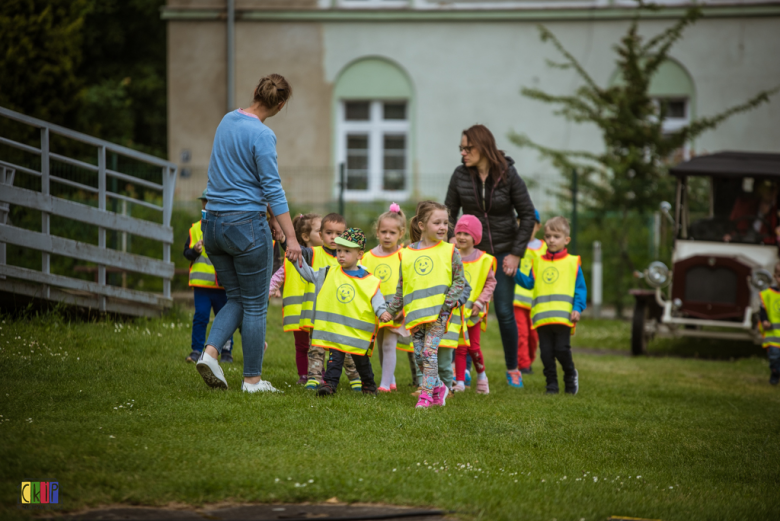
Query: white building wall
point(472, 73)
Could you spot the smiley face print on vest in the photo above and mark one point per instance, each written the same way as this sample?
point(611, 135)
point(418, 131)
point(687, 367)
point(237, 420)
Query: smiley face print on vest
point(345, 293)
point(423, 265)
point(383, 272)
point(550, 275)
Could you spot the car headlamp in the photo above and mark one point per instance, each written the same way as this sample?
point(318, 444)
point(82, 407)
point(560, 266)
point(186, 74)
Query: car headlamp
point(657, 274)
point(760, 279)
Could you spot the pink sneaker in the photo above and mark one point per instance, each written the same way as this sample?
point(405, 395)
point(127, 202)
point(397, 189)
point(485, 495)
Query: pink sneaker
point(425, 401)
point(458, 388)
point(393, 387)
point(383, 389)
point(440, 395)
point(482, 387)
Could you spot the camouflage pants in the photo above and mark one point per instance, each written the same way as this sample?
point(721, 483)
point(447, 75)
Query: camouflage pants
point(317, 357)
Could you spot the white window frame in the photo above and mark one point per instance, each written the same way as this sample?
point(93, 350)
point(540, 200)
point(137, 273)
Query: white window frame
point(375, 128)
point(674, 124)
point(372, 4)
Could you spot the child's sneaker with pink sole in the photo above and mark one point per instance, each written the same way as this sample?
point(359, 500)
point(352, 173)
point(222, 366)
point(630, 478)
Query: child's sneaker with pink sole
point(425, 401)
point(459, 387)
point(383, 389)
point(482, 387)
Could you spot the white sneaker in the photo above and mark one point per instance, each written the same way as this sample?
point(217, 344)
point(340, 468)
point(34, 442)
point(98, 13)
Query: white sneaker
point(459, 387)
point(211, 372)
point(260, 387)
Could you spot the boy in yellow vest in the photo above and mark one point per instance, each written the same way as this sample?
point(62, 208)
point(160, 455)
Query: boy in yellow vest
point(770, 322)
point(349, 302)
point(331, 227)
point(208, 293)
point(559, 296)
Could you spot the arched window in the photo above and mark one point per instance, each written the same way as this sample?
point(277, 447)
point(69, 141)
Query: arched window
point(373, 99)
point(672, 86)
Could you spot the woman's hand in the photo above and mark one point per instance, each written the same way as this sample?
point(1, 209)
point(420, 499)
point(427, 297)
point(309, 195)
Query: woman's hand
point(293, 250)
point(510, 265)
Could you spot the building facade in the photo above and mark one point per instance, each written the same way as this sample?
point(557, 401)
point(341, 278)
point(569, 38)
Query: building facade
point(385, 87)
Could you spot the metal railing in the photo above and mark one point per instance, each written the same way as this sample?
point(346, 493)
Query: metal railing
point(50, 286)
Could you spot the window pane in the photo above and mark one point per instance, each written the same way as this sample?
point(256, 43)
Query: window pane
point(357, 162)
point(357, 111)
point(396, 110)
point(675, 108)
point(394, 163)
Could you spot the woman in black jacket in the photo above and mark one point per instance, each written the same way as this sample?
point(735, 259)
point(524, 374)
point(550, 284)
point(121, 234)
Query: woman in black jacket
point(487, 186)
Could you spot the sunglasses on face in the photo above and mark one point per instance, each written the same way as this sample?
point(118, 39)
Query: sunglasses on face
point(466, 149)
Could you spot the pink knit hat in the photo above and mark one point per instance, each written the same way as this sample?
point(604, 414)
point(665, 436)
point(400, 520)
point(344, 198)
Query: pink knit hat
point(471, 225)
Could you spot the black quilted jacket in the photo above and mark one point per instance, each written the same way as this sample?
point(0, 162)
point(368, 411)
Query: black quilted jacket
point(503, 203)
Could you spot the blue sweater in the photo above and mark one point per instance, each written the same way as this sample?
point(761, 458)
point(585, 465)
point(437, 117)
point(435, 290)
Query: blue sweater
point(243, 174)
point(580, 289)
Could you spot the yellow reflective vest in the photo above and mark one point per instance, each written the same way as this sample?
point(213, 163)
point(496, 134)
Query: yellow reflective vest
point(202, 272)
point(292, 297)
point(427, 276)
point(771, 300)
point(554, 283)
point(476, 272)
point(387, 269)
point(345, 319)
point(319, 259)
point(524, 297)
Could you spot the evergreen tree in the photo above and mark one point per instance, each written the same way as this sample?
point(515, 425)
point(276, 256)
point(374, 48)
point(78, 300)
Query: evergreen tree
point(628, 175)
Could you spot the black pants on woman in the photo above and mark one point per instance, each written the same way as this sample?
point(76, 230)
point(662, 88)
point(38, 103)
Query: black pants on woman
point(362, 363)
point(554, 344)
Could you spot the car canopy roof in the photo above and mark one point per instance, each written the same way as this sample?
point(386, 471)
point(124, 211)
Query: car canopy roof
point(731, 164)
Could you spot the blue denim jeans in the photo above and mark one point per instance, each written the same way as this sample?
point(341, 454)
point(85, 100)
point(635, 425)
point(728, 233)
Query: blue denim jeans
point(503, 298)
point(206, 299)
point(773, 353)
point(240, 247)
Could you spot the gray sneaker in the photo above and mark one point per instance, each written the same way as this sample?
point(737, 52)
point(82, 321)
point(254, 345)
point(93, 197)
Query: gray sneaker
point(574, 387)
point(211, 372)
point(226, 357)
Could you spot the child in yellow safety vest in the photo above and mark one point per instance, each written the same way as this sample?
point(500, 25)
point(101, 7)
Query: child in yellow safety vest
point(291, 287)
point(479, 268)
point(429, 289)
point(559, 296)
point(527, 338)
point(345, 319)
point(770, 326)
point(331, 227)
point(208, 294)
point(384, 262)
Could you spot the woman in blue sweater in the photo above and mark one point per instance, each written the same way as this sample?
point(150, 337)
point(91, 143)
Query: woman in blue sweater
point(243, 185)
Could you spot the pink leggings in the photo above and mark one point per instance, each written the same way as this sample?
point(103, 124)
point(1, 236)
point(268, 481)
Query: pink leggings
point(474, 350)
point(302, 351)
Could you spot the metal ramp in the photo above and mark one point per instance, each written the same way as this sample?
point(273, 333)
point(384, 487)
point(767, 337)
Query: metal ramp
point(42, 163)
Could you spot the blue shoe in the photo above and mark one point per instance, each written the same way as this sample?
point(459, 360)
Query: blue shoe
point(467, 381)
point(514, 379)
point(356, 385)
point(312, 385)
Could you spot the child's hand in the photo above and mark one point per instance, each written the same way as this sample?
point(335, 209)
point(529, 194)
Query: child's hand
point(385, 317)
point(198, 246)
point(276, 293)
point(767, 324)
point(575, 316)
point(477, 306)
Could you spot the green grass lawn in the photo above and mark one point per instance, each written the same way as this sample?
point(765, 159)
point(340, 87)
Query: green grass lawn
point(115, 415)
